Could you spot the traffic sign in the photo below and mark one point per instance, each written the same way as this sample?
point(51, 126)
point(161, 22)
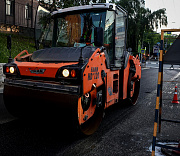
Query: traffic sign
point(155, 49)
point(143, 51)
point(167, 33)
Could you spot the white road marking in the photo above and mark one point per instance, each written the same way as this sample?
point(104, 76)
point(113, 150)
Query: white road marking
point(175, 77)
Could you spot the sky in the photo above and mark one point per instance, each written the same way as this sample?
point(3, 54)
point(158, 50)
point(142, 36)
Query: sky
point(172, 10)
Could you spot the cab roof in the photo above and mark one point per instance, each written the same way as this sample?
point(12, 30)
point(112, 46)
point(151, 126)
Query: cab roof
point(95, 6)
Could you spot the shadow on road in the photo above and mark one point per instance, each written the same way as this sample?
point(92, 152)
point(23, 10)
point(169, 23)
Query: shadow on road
point(47, 136)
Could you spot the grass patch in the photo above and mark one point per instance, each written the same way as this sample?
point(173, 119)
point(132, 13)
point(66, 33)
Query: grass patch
point(19, 43)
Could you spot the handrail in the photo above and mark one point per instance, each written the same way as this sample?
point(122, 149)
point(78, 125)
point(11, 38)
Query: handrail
point(19, 55)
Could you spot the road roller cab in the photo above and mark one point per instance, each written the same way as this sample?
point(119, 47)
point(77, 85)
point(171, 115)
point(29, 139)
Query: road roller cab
point(81, 65)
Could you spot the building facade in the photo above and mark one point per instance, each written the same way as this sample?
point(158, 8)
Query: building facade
point(18, 16)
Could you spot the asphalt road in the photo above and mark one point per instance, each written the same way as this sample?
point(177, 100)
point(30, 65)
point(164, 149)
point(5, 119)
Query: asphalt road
point(124, 131)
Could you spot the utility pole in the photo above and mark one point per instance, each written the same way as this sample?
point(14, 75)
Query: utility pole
point(149, 50)
point(32, 14)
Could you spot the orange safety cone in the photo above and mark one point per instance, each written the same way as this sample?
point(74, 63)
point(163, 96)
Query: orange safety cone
point(175, 99)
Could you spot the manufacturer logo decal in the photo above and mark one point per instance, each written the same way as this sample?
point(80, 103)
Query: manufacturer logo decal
point(37, 71)
point(94, 73)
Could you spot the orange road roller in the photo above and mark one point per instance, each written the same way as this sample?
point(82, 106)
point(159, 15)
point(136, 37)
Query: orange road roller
point(81, 66)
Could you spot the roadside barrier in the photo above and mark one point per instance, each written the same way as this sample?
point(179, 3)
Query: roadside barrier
point(158, 108)
point(2, 76)
point(175, 98)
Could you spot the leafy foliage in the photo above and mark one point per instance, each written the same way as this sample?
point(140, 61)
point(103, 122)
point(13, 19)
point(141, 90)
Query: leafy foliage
point(141, 21)
point(19, 43)
point(150, 39)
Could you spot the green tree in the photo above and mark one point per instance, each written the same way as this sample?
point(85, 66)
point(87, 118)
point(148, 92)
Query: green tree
point(141, 20)
point(150, 39)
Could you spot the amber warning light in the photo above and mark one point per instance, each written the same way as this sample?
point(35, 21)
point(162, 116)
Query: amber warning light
point(7, 69)
point(73, 73)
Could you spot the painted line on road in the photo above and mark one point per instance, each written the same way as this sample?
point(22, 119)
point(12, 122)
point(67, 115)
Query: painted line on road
point(176, 76)
point(145, 68)
point(152, 62)
point(158, 68)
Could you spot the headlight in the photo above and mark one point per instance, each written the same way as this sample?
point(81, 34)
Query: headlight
point(11, 69)
point(69, 73)
point(65, 72)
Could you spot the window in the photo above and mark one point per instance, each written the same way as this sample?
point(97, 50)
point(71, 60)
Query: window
point(108, 34)
point(70, 30)
point(78, 29)
point(9, 7)
point(119, 38)
point(27, 11)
